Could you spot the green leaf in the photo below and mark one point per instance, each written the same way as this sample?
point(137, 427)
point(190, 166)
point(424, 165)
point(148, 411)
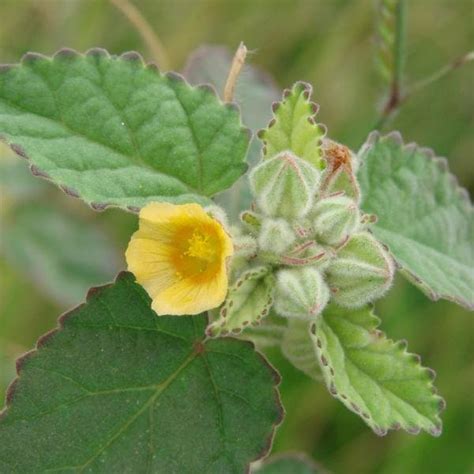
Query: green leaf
point(294, 463)
point(117, 389)
point(60, 253)
point(374, 376)
point(293, 127)
point(269, 333)
point(298, 347)
point(255, 92)
point(248, 301)
point(424, 217)
point(117, 132)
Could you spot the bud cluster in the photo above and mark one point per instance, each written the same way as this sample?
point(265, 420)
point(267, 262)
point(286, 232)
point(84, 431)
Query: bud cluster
point(307, 228)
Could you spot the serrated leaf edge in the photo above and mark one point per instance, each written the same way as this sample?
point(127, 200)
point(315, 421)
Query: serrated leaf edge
point(127, 56)
point(307, 90)
point(442, 163)
point(402, 347)
point(94, 291)
point(263, 272)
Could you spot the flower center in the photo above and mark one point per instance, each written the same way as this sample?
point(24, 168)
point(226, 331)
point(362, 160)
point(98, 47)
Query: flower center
point(199, 246)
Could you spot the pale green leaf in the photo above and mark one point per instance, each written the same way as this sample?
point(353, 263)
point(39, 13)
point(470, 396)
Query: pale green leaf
point(248, 301)
point(117, 132)
point(294, 128)
point(298, 347)
point(374, 376)
point(117, 389)
point(424, 217)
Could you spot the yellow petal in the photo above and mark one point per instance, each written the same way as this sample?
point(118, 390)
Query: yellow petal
point(179, 256)
point(187, 298)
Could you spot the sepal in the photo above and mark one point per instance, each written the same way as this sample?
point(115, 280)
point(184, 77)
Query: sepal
point(285, 186)
point(340, 173)
point(361, 272)
point(335, 218)
point(300, 293)
point(276, 236)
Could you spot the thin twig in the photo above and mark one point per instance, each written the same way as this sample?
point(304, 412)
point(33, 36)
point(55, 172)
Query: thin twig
point(145, 30)
point(235, 69)
point(420, 85)
point(444, 71)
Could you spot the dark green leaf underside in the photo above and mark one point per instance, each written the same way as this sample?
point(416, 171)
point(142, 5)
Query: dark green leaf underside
point(424, 217)
point(117, 389)
point(117, 132)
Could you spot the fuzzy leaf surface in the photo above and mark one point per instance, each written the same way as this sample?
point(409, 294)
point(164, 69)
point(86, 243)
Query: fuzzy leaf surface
point(374, 376)
point(424, 217)
point(248, 301)
point(117, 132)
point(117, 389)
point(294, 128)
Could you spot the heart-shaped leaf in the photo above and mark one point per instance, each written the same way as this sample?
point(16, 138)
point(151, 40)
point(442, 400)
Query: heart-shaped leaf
point(424, 217)
point(374, 376)
point(117, 132)
point(117, 389)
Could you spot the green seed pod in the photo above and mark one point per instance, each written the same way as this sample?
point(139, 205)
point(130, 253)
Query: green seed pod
point(335, 218)
point(362, 271)
point(285, 186)
point(300, 293)
point(276, 236)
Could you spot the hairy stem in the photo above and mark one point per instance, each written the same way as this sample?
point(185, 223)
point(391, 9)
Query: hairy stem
point(394, 98)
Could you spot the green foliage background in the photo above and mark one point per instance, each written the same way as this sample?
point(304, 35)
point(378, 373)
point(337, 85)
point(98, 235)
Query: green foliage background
point(330, 44)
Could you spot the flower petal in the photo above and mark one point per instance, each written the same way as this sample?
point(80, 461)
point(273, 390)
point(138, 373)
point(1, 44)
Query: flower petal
point(185, 297)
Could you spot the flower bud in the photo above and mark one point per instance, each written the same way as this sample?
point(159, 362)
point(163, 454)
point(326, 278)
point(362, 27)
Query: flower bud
point(361, 272)
point(300, 293)
point(341, 171)
point(284, 186)
point(335, 219)
point(276, 236)
point(251, 221)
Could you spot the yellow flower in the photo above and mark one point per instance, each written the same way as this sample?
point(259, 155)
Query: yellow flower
point(179, 256)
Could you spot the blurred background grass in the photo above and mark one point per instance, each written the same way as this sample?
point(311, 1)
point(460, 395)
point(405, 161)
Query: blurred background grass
point(329, 43)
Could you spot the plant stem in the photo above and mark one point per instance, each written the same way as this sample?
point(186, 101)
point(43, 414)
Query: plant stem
point(394, 98)
point(145, 30)
point(235, 69)
point(444, 71)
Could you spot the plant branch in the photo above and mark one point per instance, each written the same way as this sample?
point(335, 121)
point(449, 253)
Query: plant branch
point(145, 30)
point(235, 69)
point(444, 71)
point(394, 98)
point(395, 105)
